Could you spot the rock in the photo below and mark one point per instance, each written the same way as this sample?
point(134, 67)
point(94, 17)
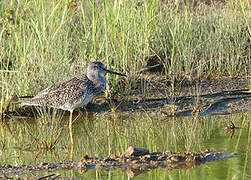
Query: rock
point(133, 151)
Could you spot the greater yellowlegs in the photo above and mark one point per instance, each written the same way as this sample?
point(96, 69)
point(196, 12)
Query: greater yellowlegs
point(76, 92)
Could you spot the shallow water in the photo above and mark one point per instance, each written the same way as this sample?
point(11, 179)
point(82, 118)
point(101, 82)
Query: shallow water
point(103, 134)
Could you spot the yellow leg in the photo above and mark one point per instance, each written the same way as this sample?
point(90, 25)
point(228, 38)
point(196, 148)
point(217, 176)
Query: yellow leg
point(71, 136)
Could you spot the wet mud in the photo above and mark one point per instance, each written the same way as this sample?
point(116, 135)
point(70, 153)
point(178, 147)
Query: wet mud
point(225, 102)
point(133, 161)
point(198, 97)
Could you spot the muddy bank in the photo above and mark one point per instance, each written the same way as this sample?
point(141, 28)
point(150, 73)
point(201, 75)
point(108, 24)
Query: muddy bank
point(224, 102)
point(133, 161)
point(197, 97)
point(152, 85)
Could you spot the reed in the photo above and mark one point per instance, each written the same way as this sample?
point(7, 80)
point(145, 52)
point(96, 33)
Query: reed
point(47, 41)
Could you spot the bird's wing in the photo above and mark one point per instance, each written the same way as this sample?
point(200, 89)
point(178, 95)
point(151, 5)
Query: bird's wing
point(61, 92)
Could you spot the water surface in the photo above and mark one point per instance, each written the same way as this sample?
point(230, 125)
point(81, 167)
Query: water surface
point(111, 133)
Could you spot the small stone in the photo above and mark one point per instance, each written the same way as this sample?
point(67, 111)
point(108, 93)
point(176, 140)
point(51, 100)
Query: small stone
point(174, 159)
point(86, 157)
point(99, 167)
point(133, 151)
point(162, 158)
point(168, 152)
point(113, 156)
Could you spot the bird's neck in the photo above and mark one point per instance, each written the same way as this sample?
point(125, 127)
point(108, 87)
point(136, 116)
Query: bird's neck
point(97, 79)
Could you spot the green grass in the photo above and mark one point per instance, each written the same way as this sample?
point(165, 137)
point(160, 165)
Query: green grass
point(42, 42)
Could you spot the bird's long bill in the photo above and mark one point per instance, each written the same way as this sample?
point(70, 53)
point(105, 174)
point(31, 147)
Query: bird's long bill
point(113, 72)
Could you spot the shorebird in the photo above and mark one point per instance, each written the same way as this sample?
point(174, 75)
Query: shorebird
point(73, 93)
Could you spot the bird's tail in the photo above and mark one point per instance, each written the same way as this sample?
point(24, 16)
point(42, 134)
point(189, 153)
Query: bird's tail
point(27, 102)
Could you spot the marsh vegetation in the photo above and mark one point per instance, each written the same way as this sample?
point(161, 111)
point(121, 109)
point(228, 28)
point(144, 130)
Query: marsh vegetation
point(169, 50)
